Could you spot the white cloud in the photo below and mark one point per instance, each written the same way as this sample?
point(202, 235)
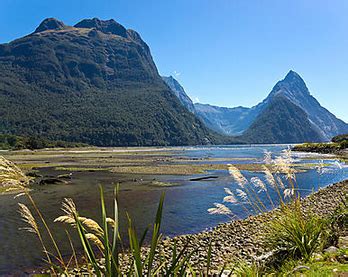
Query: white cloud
point(176, 74)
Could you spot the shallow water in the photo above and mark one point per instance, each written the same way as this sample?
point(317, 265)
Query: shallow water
point(185, 208)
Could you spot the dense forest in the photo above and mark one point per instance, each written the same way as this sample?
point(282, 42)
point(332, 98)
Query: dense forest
point(12, 142)
point(94, 83)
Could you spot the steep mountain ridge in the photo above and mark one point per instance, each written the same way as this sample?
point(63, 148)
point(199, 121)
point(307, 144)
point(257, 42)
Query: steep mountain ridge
point(94, 82)
point(281, 121)
point(294, 88)
point(240, 120)
point(179, 92)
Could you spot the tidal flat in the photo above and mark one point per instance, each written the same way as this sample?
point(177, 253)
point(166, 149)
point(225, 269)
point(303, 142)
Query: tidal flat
point(143, 174)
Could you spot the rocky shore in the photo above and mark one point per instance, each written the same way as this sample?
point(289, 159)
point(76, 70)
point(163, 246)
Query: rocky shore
point(242, 239)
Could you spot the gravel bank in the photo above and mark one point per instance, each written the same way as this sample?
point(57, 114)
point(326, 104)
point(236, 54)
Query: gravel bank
point(242, 239)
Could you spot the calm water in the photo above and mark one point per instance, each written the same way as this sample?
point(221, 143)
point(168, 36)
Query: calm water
point(185, 205)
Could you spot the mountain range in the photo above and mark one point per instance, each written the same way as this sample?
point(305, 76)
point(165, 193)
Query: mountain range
point(289, 114)
point(95, 83)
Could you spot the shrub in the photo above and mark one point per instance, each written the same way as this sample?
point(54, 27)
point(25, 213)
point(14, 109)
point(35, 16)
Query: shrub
point(293, 235)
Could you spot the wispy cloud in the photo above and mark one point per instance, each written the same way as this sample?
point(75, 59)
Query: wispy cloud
point(176, 74)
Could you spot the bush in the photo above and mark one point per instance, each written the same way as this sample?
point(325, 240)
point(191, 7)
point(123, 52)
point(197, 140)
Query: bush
point(293, 235)
point(337, 224)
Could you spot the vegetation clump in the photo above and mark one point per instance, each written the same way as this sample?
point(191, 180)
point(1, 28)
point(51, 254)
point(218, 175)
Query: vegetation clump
point(337, 144)
point(12, 142)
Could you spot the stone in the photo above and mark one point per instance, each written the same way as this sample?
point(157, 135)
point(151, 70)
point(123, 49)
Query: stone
point(331, 250)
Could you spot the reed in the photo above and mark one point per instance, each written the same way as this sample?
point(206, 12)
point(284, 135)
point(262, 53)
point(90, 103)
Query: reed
point(11, 176)
point(102, 245)
point(291, 235)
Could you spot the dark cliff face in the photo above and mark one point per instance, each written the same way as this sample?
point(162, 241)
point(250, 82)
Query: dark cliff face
point(96, 83)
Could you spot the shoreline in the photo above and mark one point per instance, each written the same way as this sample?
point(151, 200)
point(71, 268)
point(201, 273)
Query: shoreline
point(239, 239)
point(242, 239)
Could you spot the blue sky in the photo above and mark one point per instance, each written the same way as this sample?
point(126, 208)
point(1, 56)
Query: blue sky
point(224, 52)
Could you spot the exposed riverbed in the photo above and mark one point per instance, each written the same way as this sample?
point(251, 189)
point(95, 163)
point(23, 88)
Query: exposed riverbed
point(143, 174)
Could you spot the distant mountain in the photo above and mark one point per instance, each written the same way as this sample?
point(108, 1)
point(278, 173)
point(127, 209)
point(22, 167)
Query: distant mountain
point(229, 121)
point(294, 88)
point(239, 121)
point(94, 82)
point(281, 121)
point(179, 92)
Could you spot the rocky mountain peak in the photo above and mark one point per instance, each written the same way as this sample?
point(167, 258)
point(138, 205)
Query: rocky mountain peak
point(293, 77)
point(105, 26)
point(292, 86)
point(50, 24)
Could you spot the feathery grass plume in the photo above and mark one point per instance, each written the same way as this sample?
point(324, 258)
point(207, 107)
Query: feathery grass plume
point(110, 221)
point(92, 225)
point(29, 219)
point(284, 166)
point(242, 182)
point(269, 177)
point(287, 155)
point(93, 238)
point(65, 219)
point(288, 193)
point(230, 197)
point(257, 182)
point(33, 227)
point(220, 209)
point(237, 175)
point(58, 255)
point(143, 261)
point(280, 182)
point(69, 207)
point(11, 175)
point(273, 183)
point(228, 191)
point(242, 194)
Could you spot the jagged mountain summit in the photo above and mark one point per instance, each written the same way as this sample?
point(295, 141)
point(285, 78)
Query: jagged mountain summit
point(280, 118)
point(94, 82)
point(179, 92)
